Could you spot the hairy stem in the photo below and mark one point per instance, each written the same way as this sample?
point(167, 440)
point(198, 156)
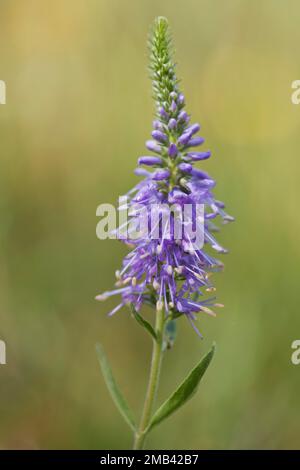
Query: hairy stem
point(140, 436)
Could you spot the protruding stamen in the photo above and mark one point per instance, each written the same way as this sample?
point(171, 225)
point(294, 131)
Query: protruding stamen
point(101, 297)
point(207, 310)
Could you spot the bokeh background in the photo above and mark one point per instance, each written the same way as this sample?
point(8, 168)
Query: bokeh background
point(78, 112)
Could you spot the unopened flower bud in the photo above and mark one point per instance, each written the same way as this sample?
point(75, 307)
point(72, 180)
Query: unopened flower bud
point(172, 151)
point(159, 136)
point(149, 161)
point(172, 124)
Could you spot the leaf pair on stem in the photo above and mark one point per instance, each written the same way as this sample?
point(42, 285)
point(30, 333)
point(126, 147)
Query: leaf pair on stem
point(180, 396)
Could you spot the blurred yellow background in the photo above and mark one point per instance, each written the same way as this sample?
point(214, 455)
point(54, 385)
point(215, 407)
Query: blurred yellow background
point(78, 112)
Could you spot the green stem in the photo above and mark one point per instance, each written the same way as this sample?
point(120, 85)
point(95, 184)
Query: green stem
point(140, 435)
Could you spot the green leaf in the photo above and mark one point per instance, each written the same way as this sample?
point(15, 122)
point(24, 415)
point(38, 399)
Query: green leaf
point(113, 388)
point(184, 392)
point(143, 322)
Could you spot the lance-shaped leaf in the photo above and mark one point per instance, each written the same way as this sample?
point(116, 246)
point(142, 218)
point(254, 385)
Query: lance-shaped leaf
point(113, 388)
point(184, 392)
point(143, 322)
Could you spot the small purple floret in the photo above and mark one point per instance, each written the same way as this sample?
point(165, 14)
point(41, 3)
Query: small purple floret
point(163, 113)
point(153, 146)
point(195, 142)
point(158, 125)
point(173, 107)
point(181, 99)
point(159, 136)
point(197, 156)
point(149, 161)
point(184, 138)
point(160, 175)
point(183, 116)
point(185, 167)
point(172, 151)
point(172, 124)
point(141, 172)
point(193, 128)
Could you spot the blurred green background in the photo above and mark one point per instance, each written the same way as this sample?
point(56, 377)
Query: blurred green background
point(78, 112)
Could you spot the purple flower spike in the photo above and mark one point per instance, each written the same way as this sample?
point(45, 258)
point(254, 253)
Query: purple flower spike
point(161, 175)
point(162, 270)
point(159, 136)
point(185, 167)
point(172, 124)
point(172, 151)
point(196, 156)
point(195, 142)
point(153, 146)
point(149, 161)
